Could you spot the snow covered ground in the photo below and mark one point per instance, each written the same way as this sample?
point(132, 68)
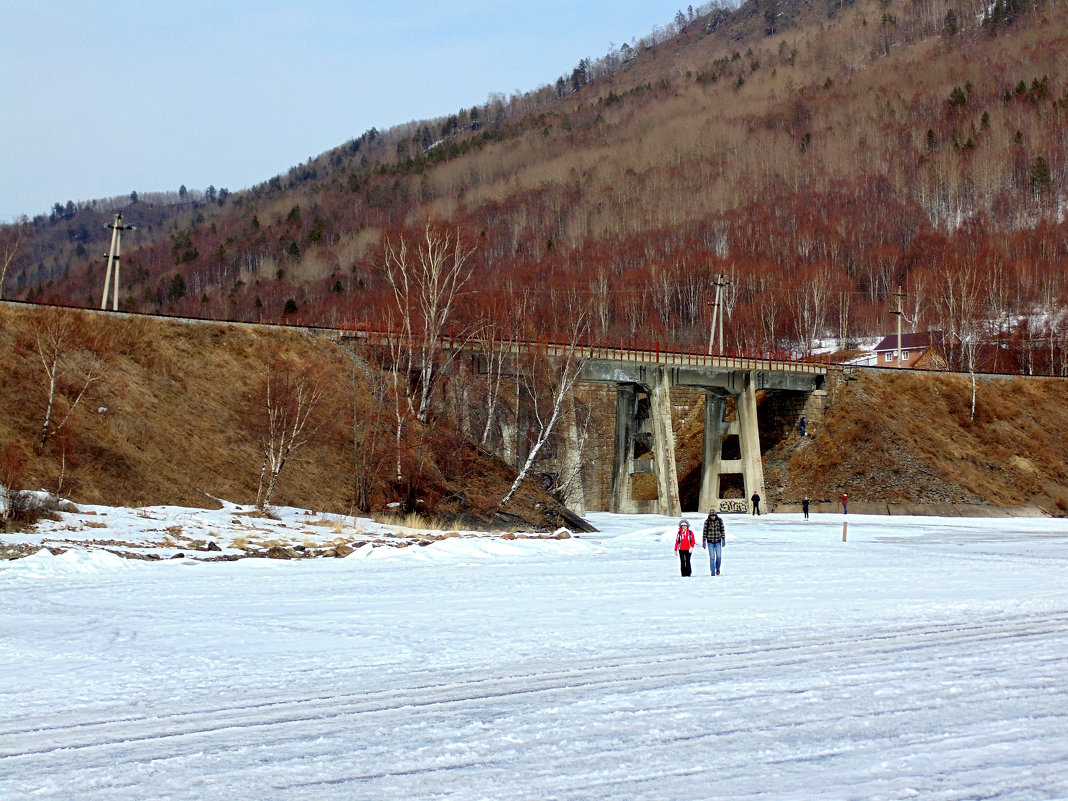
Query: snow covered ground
point(923, 658)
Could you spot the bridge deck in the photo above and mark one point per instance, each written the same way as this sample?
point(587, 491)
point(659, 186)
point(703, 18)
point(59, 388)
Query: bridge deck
point(631, 352)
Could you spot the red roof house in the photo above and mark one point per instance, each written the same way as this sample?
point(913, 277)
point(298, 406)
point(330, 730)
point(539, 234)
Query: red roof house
point(917, 350)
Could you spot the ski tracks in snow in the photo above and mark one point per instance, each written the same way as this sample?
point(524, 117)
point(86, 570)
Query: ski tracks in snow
point(932, 710)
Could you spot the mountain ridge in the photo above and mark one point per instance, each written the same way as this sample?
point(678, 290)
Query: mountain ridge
point(841, 150)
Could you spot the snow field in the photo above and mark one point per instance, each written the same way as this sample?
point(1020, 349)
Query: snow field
point(922, 658)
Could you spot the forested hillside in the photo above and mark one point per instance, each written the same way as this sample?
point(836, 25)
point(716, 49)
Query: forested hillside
point(818, 154)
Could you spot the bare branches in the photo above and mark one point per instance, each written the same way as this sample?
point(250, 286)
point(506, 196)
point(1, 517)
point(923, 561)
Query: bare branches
point(547, 380)
point(69, 368)
point(426, 283)
point(10, 239)
point(287, 401)
point(497, 345)
point(12, 470)
point(367, 452)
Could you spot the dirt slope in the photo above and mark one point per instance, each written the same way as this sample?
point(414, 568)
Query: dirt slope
point(168, 422)
point(902, 436)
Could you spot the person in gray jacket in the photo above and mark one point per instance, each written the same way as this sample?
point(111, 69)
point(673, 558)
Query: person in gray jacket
point(714, 538)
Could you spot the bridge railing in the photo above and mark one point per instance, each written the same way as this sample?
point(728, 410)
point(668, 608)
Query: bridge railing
point(675, 355)
point(633, 351)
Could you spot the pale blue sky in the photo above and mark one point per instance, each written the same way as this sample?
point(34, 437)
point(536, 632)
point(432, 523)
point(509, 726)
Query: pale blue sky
point(101, 98)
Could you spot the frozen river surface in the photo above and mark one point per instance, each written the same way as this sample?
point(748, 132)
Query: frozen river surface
point(924, 658)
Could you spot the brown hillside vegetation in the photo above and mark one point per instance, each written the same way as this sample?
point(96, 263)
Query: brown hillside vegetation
point(171, 421)
point(821, 154)
point(172, 418)
point(905, 436)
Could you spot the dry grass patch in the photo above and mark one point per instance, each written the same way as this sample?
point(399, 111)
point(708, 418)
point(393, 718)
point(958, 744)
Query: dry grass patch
point(412, 521)
point(904, 436)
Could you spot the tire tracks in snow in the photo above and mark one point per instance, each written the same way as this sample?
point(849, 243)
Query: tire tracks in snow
point(135, 738)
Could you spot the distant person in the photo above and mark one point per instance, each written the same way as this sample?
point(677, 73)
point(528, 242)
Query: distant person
point(684, 542)
point(714, 537)
point(802, 426)
point(845, 503)
point(804, 506)
point(756, 503)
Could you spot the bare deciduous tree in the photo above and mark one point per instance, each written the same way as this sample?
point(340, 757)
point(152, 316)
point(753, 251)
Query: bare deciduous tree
point(426, 281)
point(401, 391)
point(547, 380)
point(11, 473)
point(961, 308)
point(287, 401)
point(367, 453)
point(10, 239)
point(497, 342)
point(71, 368)
point(811, 299)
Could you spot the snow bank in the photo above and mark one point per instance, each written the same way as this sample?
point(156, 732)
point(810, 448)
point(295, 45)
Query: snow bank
point(43, 564)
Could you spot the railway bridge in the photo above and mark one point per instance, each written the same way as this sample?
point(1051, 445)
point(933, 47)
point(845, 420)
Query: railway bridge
point(644, 377)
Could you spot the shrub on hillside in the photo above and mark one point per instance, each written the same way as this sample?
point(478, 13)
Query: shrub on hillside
point(11, 476)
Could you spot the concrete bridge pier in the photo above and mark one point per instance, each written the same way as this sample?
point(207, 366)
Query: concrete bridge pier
point(641, 382)
point(654, 430)
point(749, 439)
point(712, 464)
point(667, 474)
point(626, 426)
point(746, 428)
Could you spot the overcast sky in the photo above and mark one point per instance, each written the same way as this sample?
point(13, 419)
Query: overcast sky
point(102, 98)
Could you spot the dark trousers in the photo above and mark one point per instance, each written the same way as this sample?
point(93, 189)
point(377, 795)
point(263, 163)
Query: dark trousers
point(684, 562)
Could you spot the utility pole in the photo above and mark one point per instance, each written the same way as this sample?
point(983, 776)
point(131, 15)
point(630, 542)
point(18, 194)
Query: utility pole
point(899, 313)
point(117, 228)
point(722, 282)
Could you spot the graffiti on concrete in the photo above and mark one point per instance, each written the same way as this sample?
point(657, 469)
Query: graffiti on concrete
point(738, 505)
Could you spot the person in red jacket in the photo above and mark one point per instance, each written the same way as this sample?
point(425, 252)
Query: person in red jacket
point(684, 542)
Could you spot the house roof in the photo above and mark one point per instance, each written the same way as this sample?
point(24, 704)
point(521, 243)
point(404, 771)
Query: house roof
point(908, 341)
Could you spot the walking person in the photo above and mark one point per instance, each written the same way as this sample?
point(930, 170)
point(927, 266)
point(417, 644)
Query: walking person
point(714, 537)
point(804, 506)
point(802, 426)
point(756, 503)
point(684, 542)
point(845, 503)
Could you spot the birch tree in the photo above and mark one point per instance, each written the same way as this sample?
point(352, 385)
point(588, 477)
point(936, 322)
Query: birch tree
point(811, 300)
point(497, 344)
point(401, 393)
point(960, 302)
point(427, 279)
point(287, 401)
point(12, 470)
point(70, 369)
point(10, 239)
point(547, 376)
